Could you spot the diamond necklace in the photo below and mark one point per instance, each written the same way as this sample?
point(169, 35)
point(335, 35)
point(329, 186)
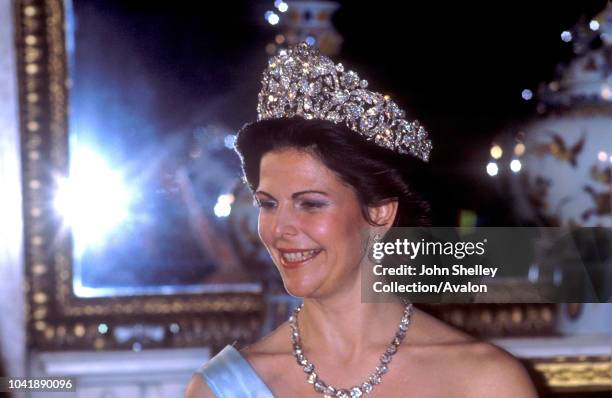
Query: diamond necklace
point(357, 391)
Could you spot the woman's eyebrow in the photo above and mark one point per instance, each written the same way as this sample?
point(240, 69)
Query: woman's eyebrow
point(264, 193)
point(295, 195)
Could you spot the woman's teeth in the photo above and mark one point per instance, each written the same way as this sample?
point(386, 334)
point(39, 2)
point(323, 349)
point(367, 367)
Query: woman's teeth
point(299, 256)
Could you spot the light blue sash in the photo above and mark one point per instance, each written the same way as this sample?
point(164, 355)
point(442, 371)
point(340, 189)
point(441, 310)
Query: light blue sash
point(229, 375)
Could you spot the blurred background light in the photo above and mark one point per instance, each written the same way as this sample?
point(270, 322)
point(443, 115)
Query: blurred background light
point(271, 48)
point(527, 94)
point(229, 141)
point(602, 156)
point(519, 149)
point(492, 169)
point(271, 17)
point(175, 328)
point(281, 5)
point(223, 207)
point(533, 275)
point(496, 151)
point(566, 36)
point(311, 40)
point(102, 328)
point(606, 93)
point(554, 86)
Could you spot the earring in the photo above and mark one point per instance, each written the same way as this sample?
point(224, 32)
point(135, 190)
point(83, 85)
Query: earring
point(377, 239)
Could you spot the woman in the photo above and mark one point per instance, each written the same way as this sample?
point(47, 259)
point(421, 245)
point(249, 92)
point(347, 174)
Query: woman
point(333, 166)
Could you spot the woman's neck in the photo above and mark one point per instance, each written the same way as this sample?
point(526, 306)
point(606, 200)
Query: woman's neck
point(347, 328)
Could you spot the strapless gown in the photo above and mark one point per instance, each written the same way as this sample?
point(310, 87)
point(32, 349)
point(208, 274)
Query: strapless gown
point(229, 375)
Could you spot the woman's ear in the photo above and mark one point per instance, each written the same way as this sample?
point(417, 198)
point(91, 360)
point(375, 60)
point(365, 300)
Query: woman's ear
point(385, 213)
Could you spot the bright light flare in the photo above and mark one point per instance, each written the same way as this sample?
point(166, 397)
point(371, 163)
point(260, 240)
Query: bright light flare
point(515, 165)
point(492, 169)
point(93, 200)
point(602, 156)
point(282, 6)
point(272, 17)
point(229, 141)
point(223, 207)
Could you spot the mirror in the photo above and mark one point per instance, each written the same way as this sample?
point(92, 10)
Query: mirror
point(151, 127)
point(128, 112)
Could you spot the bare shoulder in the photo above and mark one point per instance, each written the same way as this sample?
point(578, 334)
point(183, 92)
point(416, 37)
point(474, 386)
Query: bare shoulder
point(475, 367)
point(266, 356)
point(427, 330)
point(497, 373)
point(273, 343)
point(197, 388)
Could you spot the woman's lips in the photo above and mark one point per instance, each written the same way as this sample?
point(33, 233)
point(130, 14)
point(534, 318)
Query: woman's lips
point(290, 264)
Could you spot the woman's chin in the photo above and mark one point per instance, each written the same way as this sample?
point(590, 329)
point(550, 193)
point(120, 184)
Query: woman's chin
point(298, 288)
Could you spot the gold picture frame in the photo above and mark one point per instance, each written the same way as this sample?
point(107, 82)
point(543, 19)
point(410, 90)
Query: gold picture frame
point(59, 320)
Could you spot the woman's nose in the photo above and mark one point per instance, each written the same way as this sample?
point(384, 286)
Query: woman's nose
point(284, 223)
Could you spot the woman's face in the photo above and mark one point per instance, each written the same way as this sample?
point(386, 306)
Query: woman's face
point(311, 224)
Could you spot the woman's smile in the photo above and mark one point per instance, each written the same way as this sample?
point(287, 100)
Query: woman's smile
point(293, 258)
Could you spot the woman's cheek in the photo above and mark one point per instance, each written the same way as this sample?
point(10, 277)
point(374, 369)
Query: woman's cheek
point(321, 223)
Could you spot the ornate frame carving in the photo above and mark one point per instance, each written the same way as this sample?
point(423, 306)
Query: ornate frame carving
point(563, 374)
point(57, 319)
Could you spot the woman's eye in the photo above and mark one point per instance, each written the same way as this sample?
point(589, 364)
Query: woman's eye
point(264, 204)
point(312, 205)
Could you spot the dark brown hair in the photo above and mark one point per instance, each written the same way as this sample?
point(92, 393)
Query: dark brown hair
point(377, 175)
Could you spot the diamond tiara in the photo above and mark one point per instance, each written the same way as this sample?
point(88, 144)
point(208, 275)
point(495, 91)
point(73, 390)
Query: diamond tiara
point(301, 82)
